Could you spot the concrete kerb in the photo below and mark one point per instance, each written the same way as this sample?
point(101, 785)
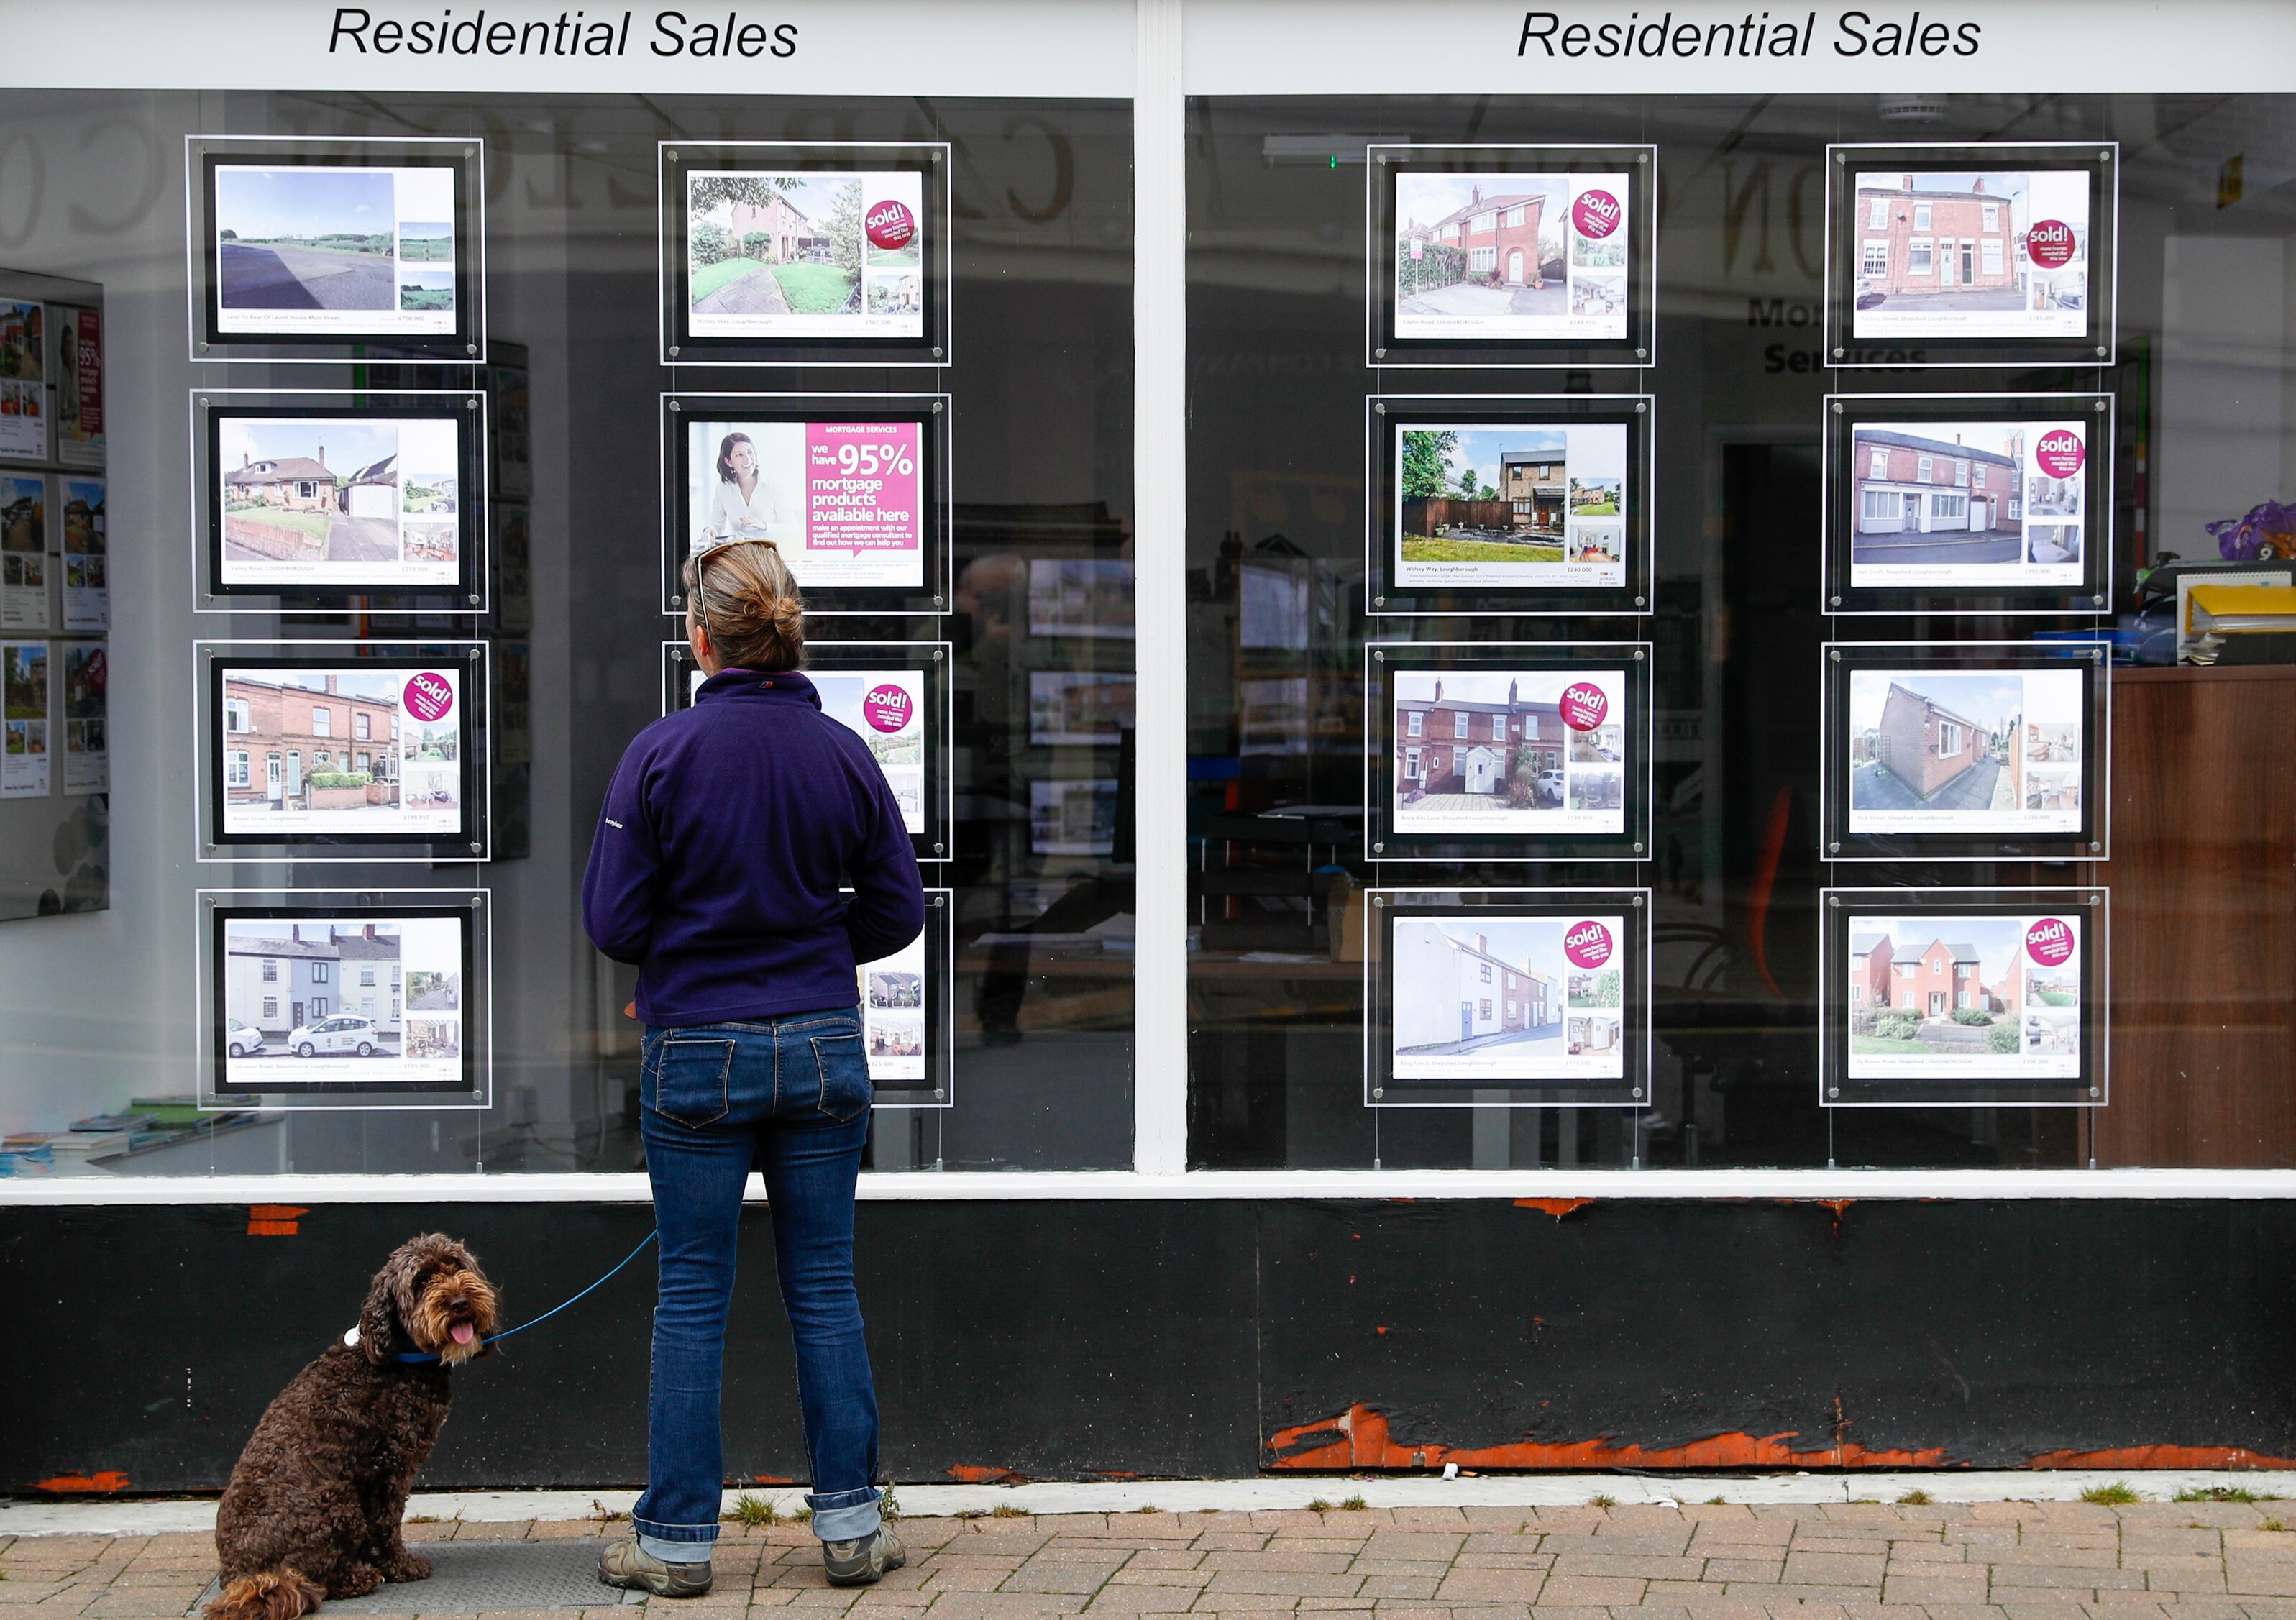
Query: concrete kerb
point(118, 1516)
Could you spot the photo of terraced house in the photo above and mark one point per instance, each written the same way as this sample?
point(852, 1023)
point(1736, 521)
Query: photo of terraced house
point(1468, 984)
point(1467, 738)
point(1938, 493)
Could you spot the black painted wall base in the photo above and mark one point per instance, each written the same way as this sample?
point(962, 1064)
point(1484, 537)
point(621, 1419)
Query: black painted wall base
point(1214, 1338)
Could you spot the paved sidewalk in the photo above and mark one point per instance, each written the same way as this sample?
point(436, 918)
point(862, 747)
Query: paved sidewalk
point(1994, 1560)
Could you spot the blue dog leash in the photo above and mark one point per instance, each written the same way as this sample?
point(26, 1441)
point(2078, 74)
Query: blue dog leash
point(419, 1358)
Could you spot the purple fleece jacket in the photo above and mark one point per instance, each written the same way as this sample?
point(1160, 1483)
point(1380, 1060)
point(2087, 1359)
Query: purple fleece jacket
point(726, 835)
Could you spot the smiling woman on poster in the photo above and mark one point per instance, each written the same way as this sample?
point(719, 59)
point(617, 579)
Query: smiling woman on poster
point(746, 505)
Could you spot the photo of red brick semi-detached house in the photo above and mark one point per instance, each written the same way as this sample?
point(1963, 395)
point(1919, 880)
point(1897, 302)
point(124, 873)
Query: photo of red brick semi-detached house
point(1489, 245)
point(1938, 493)
point(1503, 753)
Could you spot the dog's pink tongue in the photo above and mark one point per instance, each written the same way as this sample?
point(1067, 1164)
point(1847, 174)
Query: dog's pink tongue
point(461, 1331)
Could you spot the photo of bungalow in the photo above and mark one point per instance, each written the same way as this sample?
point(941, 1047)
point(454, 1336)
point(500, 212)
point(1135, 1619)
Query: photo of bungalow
point(1941, 241)
point(1922, 742)
point(280, 975)
point(1466, 737)
point(1936, 493)
point(1939, 985)
point(285, 500)
point(297, 741)
point(1491, 245)
point(1466, 985)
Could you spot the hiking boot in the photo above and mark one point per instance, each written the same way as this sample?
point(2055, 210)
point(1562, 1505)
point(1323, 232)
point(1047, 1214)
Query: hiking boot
point(627, 1564)
point(863, 1560)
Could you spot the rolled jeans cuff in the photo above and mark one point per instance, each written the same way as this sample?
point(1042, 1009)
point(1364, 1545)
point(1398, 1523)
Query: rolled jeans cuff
point(845, 1516)
point(676, 1544)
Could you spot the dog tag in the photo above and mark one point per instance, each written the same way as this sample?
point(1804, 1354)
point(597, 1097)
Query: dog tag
point(350, 1339)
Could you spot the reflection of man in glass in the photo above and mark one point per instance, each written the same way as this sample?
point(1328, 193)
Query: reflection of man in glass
point(746, 505)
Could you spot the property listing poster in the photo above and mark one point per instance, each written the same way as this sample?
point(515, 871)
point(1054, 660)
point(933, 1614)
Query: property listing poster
point(24, 694)
point(1508, 257)
point(1966, 998)
point(87, 738)
point(23, 382)
point(340, 501)
point(843, 502)
point(1968, 505)
point(1950, 253)
point(1073, 816)
point(1996, 751)
point(80, 387)
point(342, 1001)
point(1486, 999)
point(329, 752)
point(319, 251)
point(1082, 596)
point(1478, 505)
point(886, 710)
point(805, 254)
point(1080, 709)
point(23, 551)
point(88, 584)
point(893, 1011)
point(1537, 752)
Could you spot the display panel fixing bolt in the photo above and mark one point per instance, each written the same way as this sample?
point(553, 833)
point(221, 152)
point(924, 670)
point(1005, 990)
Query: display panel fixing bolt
point(470, 405)
point(2097, 899)
point(1833, 850)
point(1377, 848)
point(939, 1095)
point(1379, 409)
point(2102, 351)
point(1833, 1091)
point(1834, 601)
point(937, 352)
point(1639, 849)
point(670, 156)
point(1379, 1090)
point(1379, 601)
point(1377, 354)
point(673, 351)
point(1837, 353)
point(1837, 404)
point(2095, 848)
point(477, 848)
point(939, 848)
point(474, 600)
point(469, 348)
point(2098, 407)
point(1833, 900)
point(2095, 1093)
point(675, 407)
point(1835, 654)
point(472, 655)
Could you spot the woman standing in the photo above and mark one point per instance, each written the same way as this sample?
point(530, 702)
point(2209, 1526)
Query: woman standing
point(727, 834)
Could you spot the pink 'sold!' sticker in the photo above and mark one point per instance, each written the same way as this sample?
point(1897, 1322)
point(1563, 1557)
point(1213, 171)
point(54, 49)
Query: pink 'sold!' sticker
point(430, 697)
point(1584, 706)
point(1596, 214)
point(890, 226)
point(2050, 942)
point(2060, 453)
point(1588, 945)
point(888, 707)
point(2050, 243)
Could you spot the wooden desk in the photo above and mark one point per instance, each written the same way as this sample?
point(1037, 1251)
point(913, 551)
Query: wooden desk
point(2203, 881)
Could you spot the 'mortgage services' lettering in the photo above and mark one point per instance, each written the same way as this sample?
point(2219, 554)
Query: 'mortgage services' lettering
point(571, 33)
point(1855, 33)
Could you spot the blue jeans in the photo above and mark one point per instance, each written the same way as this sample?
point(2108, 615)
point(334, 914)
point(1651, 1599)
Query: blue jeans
point(792, 1094)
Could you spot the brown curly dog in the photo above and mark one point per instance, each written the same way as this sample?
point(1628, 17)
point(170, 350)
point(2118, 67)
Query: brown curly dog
point(313, 1506)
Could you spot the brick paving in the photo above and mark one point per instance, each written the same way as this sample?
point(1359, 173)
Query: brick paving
point(1995, 1560)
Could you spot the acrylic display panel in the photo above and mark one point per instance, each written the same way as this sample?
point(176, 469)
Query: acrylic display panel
point(1508, 504)
point(343, 751)
point(1965, 751)
point(1968, 502)
point(851, 488)
point(1511, 256)
point(1497, 751)
point(908, 1015)
point(315, 999)
point(337, 249)
point(892, 695)
point(804, 253)
point(1955, 997)
point(1512, 998)
point(1982, 255)
point(321, 501)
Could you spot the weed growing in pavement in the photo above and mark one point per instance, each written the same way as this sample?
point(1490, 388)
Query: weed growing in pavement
point(1006, 1510)
point(603, 1514)
point(752, 1510)
point(1148, 1508)
point(422, 1518)
point(801, 1516)
point(2222, 1494)
point(1354, 1504)
point(1716, 1501)
point(2114, 1495)
point(2272, 1523)
point(889, 1506)
point(1602, 1501)
point(1914, 1498)
point(1320, 1506)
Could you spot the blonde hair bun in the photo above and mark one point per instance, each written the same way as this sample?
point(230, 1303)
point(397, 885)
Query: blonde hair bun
point(746, 598)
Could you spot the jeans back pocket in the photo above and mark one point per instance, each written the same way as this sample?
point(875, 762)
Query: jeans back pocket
point(846, 1088)
point(688, 1076)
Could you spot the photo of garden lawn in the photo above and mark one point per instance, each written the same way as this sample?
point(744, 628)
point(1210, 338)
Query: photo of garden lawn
point(426, 288)
point(1595, 497)
point(773, 244)
point(427, 241)
point(1954, 985)
point(1452, 510)
point(305, 239)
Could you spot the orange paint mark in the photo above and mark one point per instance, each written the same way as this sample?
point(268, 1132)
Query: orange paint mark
point(967, 1473)
point(2211, 1458)
point(770, 1479)
point(1557, 1208)
point(102, 1483)
point(1765, 877)
point(1360, 1439)
point(274, 1220)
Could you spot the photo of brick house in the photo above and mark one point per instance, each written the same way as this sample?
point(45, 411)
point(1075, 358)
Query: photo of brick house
point(1948, 975)
point(1480, 245)
point(280, 976)
point(1958, 990)
point(316, 491)
point(292, 740)
point(1922, 742)
point(1499, 234)
point(1942, 240)
point(1869, 970)
point(1936, 493)
point(1463, 984)
point(1447, 743)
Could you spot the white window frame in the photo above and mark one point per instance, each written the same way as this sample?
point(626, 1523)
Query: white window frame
point(1877, 218)
point(1920, 256)
point(1875, 259)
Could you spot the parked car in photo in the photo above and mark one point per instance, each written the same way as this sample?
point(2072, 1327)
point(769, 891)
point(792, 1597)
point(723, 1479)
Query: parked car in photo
point(335, 1034)
point(1550, 786)
point(244, 1040)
